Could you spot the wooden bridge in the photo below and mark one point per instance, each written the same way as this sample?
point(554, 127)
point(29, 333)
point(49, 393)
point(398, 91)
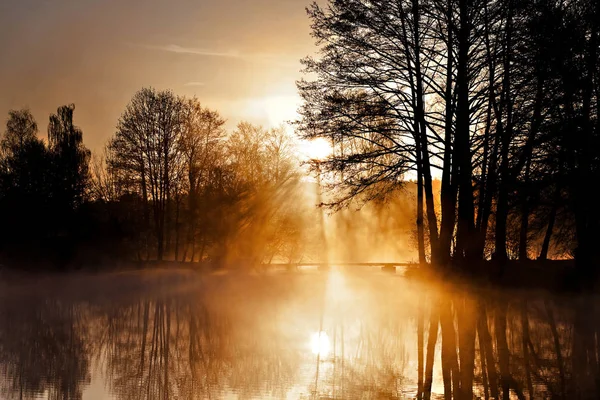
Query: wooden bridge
point(385, 266)
point(204, 266)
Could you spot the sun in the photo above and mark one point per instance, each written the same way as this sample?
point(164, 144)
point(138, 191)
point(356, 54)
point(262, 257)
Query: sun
point(319, 344)
point(315, 149)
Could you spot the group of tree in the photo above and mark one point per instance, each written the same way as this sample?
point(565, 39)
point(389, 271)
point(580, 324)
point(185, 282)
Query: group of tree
point(199, 190)
point(42, 184)
point(496, 98)
point(499, 99)
point(171, 184)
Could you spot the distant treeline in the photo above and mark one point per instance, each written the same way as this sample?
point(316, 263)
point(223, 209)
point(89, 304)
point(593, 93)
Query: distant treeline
point(171, 184)
point(42, 184)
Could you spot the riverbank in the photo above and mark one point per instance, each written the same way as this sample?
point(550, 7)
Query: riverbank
point(552, 275)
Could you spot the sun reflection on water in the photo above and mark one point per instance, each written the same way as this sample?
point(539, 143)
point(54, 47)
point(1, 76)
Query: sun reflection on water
point(319, 343)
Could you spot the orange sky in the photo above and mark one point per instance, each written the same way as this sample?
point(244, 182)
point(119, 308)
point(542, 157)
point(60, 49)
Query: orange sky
point(240, 57)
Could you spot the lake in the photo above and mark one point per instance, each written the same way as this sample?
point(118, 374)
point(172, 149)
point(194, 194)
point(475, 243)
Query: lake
point(291, 335)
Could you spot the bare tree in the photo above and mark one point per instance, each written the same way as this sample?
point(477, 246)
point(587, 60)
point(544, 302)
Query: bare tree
point(148, 146)
point(203, 152)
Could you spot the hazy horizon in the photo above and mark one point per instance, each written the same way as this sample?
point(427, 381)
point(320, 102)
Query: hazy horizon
point(240, 58)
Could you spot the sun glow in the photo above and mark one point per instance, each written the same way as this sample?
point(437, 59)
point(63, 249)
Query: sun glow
point(280, 109)
point(319, 344)
point(315, 149)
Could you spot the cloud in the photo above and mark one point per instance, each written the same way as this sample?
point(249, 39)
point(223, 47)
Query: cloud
point(282, 60)
point(173, 48)
point(194, 84)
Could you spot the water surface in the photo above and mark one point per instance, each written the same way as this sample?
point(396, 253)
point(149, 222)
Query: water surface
point(301, 335)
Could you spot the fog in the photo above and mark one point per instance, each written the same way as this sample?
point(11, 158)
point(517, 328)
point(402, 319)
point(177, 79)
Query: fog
point(181, 334)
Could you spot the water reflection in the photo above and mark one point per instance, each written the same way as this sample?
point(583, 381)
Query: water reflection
point(312, 335)
point(43, 349)
point(319, 343)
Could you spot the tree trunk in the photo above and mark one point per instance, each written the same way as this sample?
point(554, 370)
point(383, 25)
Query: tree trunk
point(586, 214)
point(202, 248)
point(483, 364)
point(486, 344)
point(524, 214)
point(426, 166)
point(146, 207)
point(489, 186)
point(486, 184)
point(450, 370)
point(552, 217)
point(420, 228)
point(525, 344)
point(431, 341)
point(502, 346)
point(448, 195)
point(419, 124)
point(143, 346)
point(500, 253)
point(167, 341)
point(464, 243)
point(506, 137)
point(557, 349)
point(177, 229)
point(466, 334)
point(548, 235)
point(420, 338)
point(159, 241)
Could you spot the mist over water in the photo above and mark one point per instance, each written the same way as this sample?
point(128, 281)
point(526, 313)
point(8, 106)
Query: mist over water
point(337, 334)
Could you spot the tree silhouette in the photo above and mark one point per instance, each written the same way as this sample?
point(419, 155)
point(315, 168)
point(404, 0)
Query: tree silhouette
point(500, 97)
point(24, 185)
point(148, 147)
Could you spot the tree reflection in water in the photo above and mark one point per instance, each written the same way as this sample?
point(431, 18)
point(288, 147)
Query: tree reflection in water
point(43, 348)
point(196, 337)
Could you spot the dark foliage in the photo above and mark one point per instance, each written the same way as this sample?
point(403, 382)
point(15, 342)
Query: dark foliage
point(499, 98)
point(170, 186)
